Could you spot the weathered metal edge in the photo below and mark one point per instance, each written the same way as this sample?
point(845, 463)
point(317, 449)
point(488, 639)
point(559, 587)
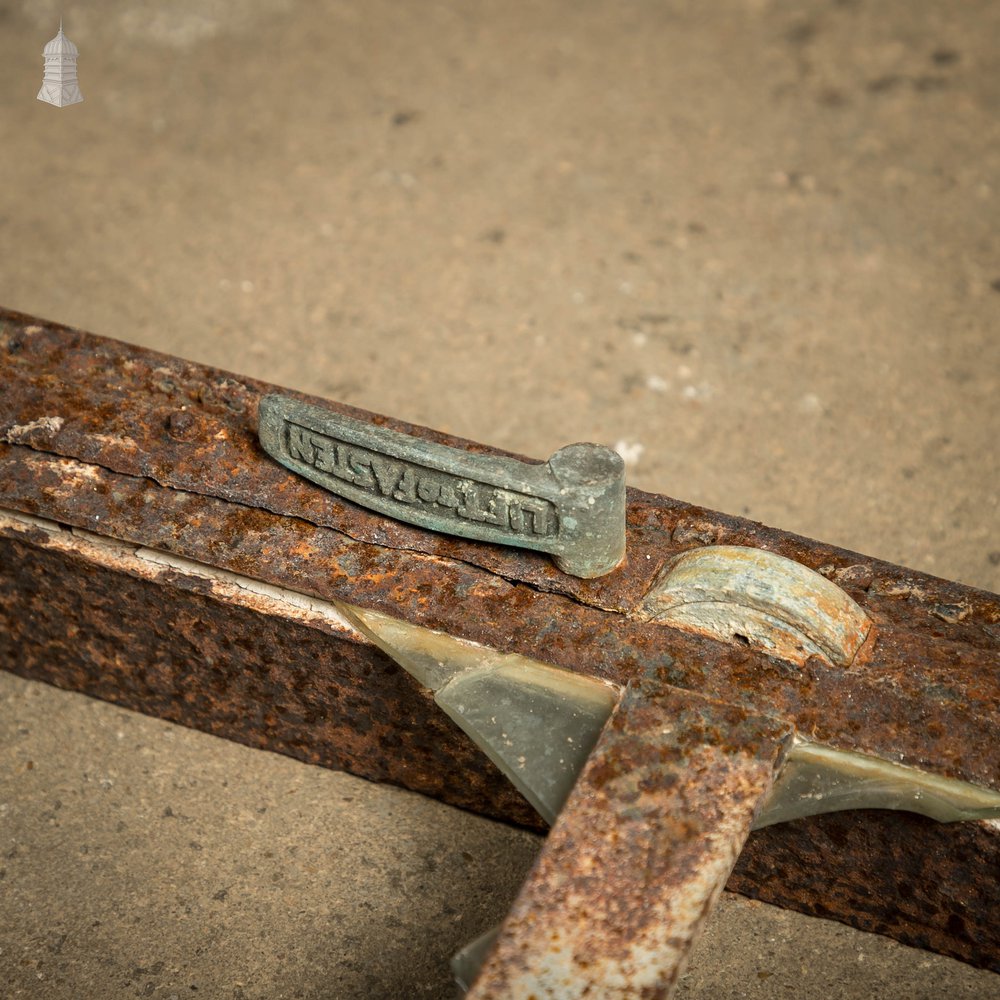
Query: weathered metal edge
point(640, 852)
point(958, 736)
point(238, 660)
point(192, 427)
point(909, 878)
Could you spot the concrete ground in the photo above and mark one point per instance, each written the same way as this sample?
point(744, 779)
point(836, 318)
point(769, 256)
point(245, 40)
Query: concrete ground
point(753, 244)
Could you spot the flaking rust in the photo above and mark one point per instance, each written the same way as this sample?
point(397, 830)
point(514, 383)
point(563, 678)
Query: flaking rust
point(161, 454)
point(640, 853)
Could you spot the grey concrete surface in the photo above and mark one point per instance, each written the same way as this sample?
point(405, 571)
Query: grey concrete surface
point(140, 859)
point(753, 244)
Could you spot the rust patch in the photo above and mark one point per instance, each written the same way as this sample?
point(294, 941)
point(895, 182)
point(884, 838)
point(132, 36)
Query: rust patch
point(926, 884)
point(640, 852)
point(951, 687)
point(169, 647)
point(117, 400)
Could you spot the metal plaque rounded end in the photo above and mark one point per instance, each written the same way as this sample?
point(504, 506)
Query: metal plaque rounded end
point(591, 481)
point(587, 465)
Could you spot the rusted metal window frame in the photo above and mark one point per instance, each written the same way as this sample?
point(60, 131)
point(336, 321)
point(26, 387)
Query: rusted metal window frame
point(155, 454)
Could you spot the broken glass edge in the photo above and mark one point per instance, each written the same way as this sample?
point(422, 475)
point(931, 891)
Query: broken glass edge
point(496, 698)
point(819, 779)
point(468, 960)
point(536, 722)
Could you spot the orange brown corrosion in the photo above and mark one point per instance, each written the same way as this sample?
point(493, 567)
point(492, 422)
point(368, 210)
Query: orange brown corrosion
point(163, 453)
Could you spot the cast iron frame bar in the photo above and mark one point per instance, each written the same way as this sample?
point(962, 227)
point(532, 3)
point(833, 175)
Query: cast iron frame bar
point(158, 453)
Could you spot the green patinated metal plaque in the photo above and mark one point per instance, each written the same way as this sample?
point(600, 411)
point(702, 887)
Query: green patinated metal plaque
point(572, 506)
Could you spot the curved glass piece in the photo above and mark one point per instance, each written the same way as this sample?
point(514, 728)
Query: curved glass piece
point(537, 723)
point(818, 779)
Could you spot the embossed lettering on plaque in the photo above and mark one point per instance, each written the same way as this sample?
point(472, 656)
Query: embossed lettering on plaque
point(571, 506)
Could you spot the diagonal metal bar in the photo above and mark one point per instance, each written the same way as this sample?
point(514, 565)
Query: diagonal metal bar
point(640, 853)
